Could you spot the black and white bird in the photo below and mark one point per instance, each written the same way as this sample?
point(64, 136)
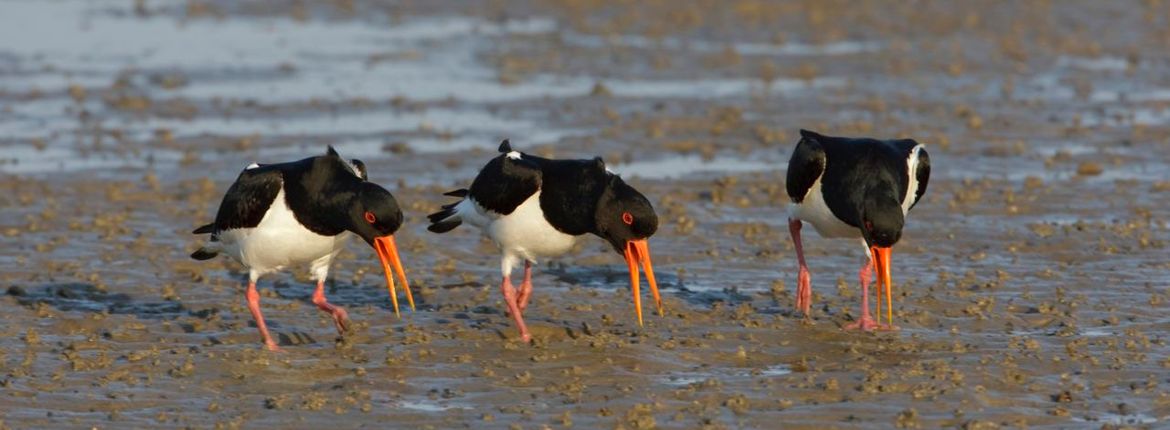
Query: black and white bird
point(302, 213)
point(855, 188)
point(534, 207)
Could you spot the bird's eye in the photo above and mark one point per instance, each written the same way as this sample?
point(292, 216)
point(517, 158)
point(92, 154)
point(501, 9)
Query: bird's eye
point(370, 218)
point(868, 226)
point(627, 218)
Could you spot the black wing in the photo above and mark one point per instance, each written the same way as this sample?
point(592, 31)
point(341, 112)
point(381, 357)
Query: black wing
point(922, 173)
point(249, 198)
point(806, 165)
point(505, 183)
point(571, 192)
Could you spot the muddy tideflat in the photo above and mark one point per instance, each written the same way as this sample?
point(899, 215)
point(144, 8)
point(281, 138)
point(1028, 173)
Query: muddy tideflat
point(1031, 282)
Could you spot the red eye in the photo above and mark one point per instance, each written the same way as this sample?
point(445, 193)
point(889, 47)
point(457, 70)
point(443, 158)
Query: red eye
point(627, 218)
point(370, 218)
point(868, 226)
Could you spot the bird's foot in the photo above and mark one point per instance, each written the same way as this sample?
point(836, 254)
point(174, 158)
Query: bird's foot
point(807, 320)
point(271, 346)
point(340, 316)
point(866, 323)
point(340, 320)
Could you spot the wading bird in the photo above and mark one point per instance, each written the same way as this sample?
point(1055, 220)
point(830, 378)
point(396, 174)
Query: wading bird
point(855, 188)
point(302, 213)
point(537, 207)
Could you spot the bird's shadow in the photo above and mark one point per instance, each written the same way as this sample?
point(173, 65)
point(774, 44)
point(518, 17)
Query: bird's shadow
point(347, 294)
point(85, 297)
point(608, 278)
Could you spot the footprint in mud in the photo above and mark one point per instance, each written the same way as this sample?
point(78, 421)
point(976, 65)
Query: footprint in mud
point(248, 338)
point(295, 339)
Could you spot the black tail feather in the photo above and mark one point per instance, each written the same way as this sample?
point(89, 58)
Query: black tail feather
point(441, 221)
point(445, 226)
point(203, 254)
point(209, 228)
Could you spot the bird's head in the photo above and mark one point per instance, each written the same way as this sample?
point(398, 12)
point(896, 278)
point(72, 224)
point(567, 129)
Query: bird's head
point(374, 212)
point(624, 215)
point(626, 219)
point(881, 226)
point(375, 216)
point(881, 217)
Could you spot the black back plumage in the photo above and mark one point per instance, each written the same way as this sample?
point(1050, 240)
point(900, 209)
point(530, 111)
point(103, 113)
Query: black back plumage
point(570, 189)
point(571, 194)
point(248, 199)
point(318, 190)
point(846, 167)
point(505, 183)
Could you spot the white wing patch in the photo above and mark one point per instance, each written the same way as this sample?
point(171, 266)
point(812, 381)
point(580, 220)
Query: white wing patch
point(912, 184)
point(252, 166)
point(515, 155)
point(353, 168)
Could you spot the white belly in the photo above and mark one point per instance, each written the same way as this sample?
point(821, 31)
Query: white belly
point(813, 210)
point(525, 233)
point(279, 241)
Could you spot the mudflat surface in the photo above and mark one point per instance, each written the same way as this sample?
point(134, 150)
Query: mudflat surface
point(1030, 284)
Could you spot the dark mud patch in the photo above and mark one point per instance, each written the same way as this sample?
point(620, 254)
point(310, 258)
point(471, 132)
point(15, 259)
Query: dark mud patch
point(77, 297)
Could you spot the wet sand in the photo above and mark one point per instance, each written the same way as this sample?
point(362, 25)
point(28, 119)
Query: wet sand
point(1030, 284)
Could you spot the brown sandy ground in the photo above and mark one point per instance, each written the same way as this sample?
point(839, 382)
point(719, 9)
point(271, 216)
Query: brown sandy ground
point(1031, 284)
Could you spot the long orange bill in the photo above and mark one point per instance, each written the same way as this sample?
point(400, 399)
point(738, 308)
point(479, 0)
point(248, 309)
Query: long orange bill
point(388, 253)
point(639, 251)
point(881, 260)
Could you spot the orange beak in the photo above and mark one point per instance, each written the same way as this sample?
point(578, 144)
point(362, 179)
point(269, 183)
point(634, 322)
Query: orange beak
point(881, 262)
point(639, 251)
point(388, 254)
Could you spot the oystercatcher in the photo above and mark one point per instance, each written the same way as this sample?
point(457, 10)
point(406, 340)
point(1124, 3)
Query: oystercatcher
point(303, 212)
point(536, 207)
point(855, 188)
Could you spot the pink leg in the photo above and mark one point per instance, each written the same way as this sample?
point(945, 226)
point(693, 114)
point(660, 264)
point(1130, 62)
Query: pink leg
point(340, 317)
point(254, 306)
point(510, 298)
point(525, 287)
point(866, 274)
point(804, 279)
point(866, 323)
